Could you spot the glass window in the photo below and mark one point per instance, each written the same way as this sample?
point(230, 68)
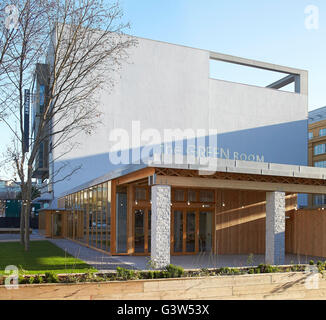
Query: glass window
point(319, 149)
point(139, 231)
point(178, 231)
point(320, 199)
point(140, 194)
point(179, 195)
point(310, 135)
point(192, 195)
point(206, 196)
point(320, 164)
point(322, 132)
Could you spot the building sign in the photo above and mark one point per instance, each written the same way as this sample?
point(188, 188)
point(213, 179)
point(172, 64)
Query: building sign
point(26, 119)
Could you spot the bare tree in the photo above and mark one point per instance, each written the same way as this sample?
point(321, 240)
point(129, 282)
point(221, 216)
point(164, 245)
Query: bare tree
point(82, 44)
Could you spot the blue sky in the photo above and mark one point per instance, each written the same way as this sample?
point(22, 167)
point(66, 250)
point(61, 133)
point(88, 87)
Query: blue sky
point(268, 30)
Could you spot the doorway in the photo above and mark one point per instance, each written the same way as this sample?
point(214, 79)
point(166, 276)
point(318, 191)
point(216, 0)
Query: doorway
point(192, 231)
point(142, 230)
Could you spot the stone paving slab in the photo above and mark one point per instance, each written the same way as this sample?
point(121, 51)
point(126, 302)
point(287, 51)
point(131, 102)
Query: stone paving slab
point(94, 258)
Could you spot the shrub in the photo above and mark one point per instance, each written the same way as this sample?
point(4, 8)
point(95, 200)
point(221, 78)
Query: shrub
point(173, 271)
point(311, 262)
point(251, 271)
point(51, 277)
point(31, 280)
point(126, 274)
point(22, 280)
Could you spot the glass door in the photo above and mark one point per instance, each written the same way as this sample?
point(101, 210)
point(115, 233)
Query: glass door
point(139, 242)
point(177, 231)
point(57, 225)
point(205, 231)
point(142, 230)
point(191, 231)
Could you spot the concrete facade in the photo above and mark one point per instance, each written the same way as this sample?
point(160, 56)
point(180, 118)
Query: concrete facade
point(167, 86)
point(160, 225)
point(275, 228)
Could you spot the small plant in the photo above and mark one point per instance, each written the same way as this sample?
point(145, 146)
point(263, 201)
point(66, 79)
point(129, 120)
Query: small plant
point(204, 272)
point(22, 280)
point(250, 259)
point(173, 271)
point(31, 280)
point(319, 263)
point(251, 271)
point(126, 274)
point(151, 264)
point(51, 277)
point(311, 262)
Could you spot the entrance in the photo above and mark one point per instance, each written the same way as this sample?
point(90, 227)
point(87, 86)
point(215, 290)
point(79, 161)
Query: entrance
point(142, 230)
point(56, 225)
point(192, 231)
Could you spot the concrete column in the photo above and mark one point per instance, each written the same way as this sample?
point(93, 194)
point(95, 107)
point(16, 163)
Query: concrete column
point(275, 228)
point(160, 225)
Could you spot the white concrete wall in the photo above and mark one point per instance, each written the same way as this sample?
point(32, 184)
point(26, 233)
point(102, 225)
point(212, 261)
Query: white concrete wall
point(239, 106)
point(168, 86)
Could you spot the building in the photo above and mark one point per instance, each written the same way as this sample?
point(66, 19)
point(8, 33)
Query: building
point(317, 148)
point(185, 163)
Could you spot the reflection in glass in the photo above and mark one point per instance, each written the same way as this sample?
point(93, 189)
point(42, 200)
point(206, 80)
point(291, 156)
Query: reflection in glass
point(205, 231)
point(178, 231)
point(190, 231)
point(139, 230)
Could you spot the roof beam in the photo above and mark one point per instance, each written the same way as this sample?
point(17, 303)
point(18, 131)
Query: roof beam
point(238, 184)
point(282, 82)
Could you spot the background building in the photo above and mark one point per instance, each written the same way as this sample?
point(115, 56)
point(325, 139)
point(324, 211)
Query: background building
point(317, 148)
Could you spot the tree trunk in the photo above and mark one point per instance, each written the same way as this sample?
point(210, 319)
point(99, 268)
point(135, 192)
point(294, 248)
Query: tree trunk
point(27, 214)
point(28, 198)
point(22, 221)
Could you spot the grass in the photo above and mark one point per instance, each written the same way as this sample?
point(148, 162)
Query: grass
point(43, 256)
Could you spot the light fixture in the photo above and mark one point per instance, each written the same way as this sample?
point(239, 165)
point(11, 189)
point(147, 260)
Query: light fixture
point(223, 204)
point(136, 202)
point(188, 203)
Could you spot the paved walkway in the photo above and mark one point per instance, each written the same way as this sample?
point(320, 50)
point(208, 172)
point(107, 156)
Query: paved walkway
point(96, 259)
point(13, 237)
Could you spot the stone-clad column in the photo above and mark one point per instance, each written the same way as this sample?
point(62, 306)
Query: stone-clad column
point(160, 225)
point(275, 228)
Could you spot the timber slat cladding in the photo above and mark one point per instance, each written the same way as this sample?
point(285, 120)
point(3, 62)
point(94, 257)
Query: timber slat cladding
point(308, 229)
point(240, 223)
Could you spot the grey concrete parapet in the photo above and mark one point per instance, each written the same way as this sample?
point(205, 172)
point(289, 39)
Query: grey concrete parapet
point(284, 167)
point(251, 164)
point(277, 173)
point(243, 170)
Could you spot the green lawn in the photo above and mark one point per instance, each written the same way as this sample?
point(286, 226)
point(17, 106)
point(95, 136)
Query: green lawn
point(42, 256)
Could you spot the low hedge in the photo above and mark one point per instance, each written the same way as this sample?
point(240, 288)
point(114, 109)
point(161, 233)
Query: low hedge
point(170, 271)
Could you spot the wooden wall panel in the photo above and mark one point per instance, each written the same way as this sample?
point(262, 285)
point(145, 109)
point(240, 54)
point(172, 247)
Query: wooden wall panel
point(308, 229)
point(240, 223)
